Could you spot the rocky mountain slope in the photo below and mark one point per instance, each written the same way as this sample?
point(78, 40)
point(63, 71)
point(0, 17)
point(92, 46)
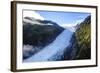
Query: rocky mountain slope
point(80, 43)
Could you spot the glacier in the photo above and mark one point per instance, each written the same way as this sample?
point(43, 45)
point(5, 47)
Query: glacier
point(55, 50)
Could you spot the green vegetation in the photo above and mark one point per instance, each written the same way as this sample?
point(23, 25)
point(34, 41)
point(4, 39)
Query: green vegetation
point(80, 43)
point(40, 35)
point(83, 36)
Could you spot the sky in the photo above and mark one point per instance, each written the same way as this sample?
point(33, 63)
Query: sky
point(62, 18)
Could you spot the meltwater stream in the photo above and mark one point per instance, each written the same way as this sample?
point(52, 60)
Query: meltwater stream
point(53, 51)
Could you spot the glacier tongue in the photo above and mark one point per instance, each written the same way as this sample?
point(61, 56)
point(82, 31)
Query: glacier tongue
point(53, 51)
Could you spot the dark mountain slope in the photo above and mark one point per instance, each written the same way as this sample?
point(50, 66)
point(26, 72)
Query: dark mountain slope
point(38, 33)
point(83, 35)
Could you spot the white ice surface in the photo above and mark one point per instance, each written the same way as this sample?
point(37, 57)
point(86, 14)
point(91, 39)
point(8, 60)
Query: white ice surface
point(53, 50)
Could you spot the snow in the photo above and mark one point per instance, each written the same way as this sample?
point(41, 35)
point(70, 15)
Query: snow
point(54, 50)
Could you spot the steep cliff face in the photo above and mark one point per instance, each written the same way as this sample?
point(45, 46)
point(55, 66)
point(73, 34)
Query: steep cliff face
point(83, 35)
point(80, 43)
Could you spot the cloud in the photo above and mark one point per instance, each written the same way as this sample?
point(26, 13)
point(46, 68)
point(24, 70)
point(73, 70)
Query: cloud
point(72, 24)
point(32, 14)
point(68, 25)
point(79, 21)
point(72, 27)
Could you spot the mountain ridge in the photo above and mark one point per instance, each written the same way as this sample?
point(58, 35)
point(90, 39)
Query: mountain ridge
point(39, 33)
point(80, 43)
